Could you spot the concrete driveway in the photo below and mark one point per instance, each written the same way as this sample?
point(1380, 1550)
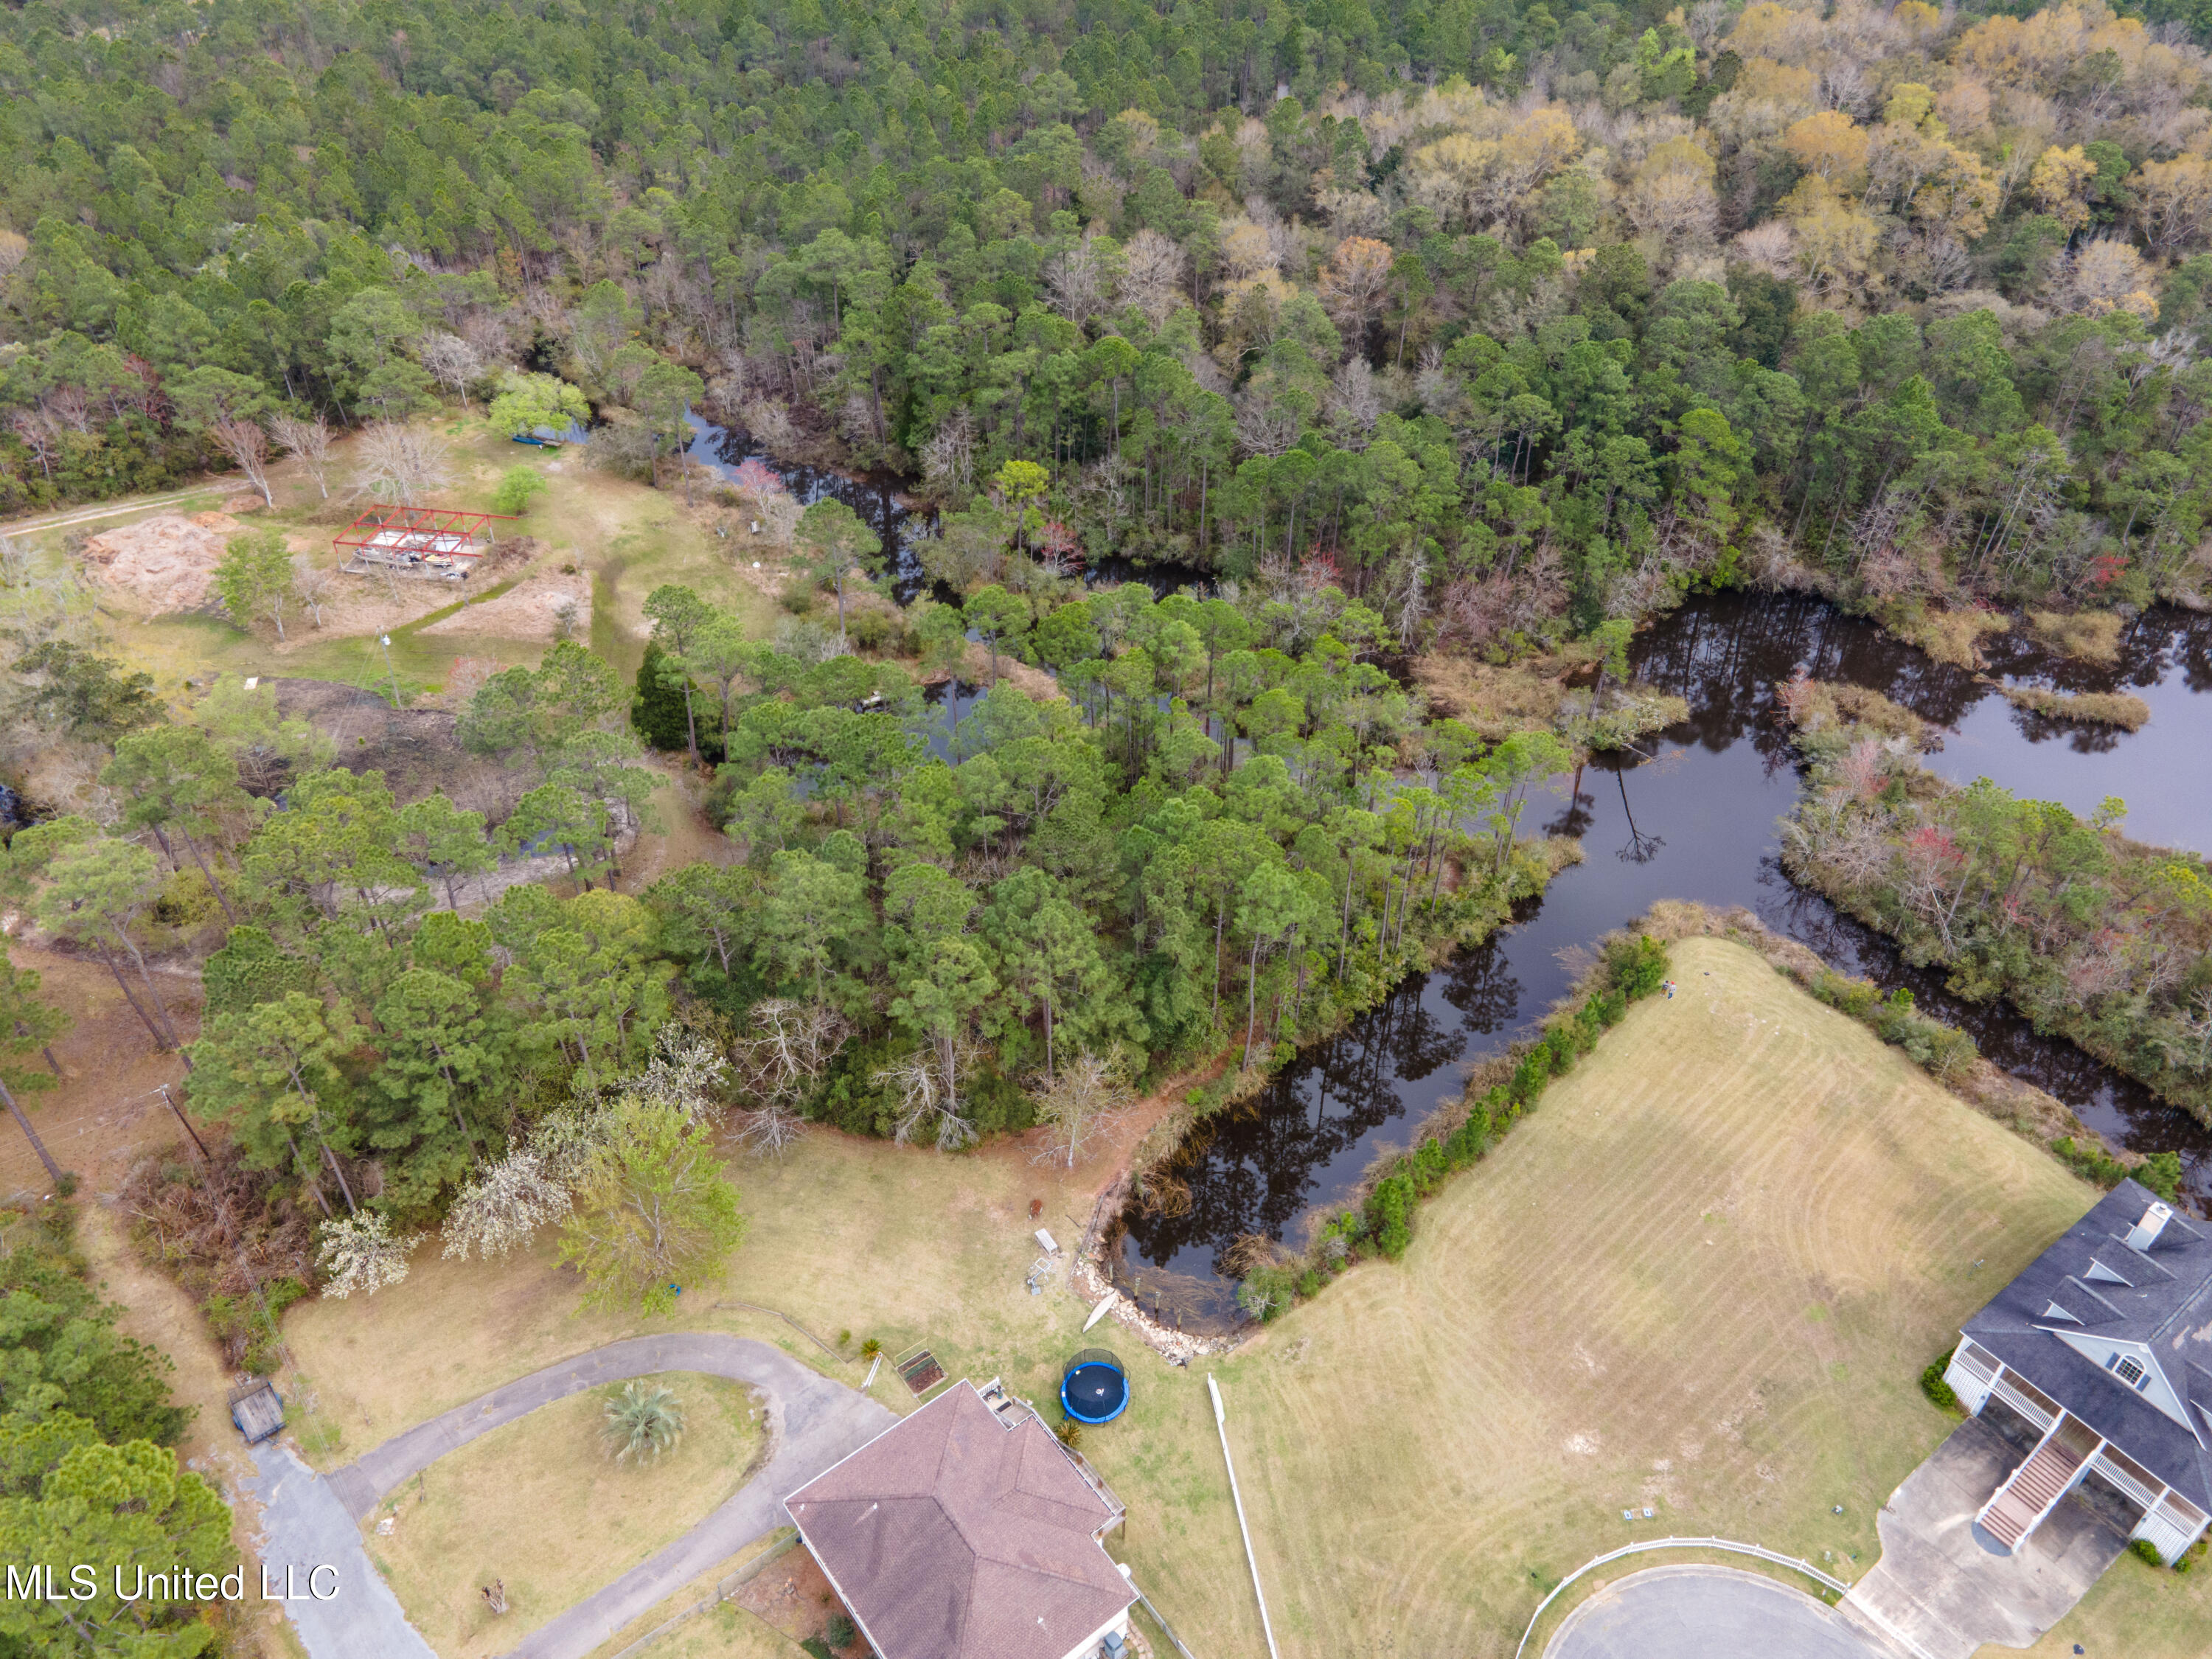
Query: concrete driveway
point(812, 1423)
point(1939, 1593)
point(1697, 1611)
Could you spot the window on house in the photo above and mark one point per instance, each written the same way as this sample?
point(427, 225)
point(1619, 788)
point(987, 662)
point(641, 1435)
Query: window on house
point(2130, 1370)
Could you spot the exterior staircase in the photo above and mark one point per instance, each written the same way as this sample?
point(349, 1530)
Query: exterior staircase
point(2033, 1489)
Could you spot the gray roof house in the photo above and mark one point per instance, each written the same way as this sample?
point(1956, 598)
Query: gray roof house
point(968, 1531)
point(2104, 1344)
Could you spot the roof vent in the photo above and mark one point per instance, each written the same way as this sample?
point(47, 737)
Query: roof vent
point(2144, 1233)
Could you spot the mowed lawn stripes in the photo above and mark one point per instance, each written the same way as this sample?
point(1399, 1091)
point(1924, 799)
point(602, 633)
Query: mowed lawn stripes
point(1704, 1276)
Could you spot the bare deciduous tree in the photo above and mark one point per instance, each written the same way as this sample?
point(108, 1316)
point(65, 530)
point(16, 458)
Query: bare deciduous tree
point(1152, 275)
point(311, 584)
point(1354, 283)
point(452, 362)
point(928, 1081)
point(1079, 280)
point(1079, 1103)
point(310, 442)
point(402, 464)
point(780, 1067)
point(247, 446)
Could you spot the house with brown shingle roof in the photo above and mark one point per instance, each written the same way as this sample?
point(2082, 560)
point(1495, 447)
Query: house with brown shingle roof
point(968, 1531)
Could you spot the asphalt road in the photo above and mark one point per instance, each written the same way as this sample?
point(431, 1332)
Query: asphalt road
point(812, 1423)
point(1705, 1612)
point(305, 1527)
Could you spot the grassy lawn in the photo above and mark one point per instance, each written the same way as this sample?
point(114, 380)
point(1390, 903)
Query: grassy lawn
point(540, 1506)
point(1703, 1277)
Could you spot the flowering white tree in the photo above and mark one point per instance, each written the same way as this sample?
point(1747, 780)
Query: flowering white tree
point(504, 1205)
point(359, 1253)
point(507, 1200)
point(684, 1072)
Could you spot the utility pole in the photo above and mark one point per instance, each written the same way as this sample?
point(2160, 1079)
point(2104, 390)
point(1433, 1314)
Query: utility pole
point(170, 1101)
point(54, 1170)
point(385, 640)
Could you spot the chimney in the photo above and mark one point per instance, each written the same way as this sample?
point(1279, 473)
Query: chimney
point(2144, 1233)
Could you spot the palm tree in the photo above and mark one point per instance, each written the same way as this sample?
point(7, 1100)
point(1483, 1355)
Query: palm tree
point(643, 1422)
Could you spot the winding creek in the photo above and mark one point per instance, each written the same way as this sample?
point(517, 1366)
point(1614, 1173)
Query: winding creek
point(1698, 822)
point(1695, 820)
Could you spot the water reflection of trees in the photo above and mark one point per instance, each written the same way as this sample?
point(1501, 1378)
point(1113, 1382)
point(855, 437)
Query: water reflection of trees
point(1268, 1166)
point(1263, 1164)
point(2082, 737)
point(1724, 653)
point(1480, 983)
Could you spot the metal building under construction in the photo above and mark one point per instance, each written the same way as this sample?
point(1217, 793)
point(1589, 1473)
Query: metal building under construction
point(415, 541)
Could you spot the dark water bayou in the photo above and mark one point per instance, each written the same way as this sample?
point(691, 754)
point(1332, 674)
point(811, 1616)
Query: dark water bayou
point(1694, 820)
point(1697, 821)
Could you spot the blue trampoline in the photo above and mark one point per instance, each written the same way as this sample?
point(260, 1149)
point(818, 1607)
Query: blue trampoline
point(1094, 1388)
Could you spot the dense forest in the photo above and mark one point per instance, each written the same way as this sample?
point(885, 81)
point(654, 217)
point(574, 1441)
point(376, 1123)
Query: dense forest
point(1517, 317)
point(88, 1469)
point(1234, 830)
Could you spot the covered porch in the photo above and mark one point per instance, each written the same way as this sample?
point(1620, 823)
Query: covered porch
point(2068, 1453)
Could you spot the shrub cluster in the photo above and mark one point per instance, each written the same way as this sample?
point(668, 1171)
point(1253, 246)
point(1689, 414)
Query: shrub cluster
point(1943, 1051)
point(1940, 1394)
point(2161, 1171)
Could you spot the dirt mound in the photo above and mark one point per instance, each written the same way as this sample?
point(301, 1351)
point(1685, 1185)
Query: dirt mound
point(164, 563)
point(237, 504)
point(547, 606)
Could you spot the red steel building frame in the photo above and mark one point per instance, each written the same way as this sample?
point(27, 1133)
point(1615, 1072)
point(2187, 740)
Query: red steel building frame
point(420, 530)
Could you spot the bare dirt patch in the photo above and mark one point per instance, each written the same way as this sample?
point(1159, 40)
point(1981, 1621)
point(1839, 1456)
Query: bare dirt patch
point(545, 606)
point(792, 1594)
point(367, 604)
point(164, 564)
point(106, 1109)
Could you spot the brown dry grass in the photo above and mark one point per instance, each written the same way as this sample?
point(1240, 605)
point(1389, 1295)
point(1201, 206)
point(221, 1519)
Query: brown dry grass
point(1705, 1276)
point(1951, 636)
point(2120, 709)
point(1812, 705)
point(1494, 701)
point(1039, 686)
point(2089, 635)
point(539, 1506)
